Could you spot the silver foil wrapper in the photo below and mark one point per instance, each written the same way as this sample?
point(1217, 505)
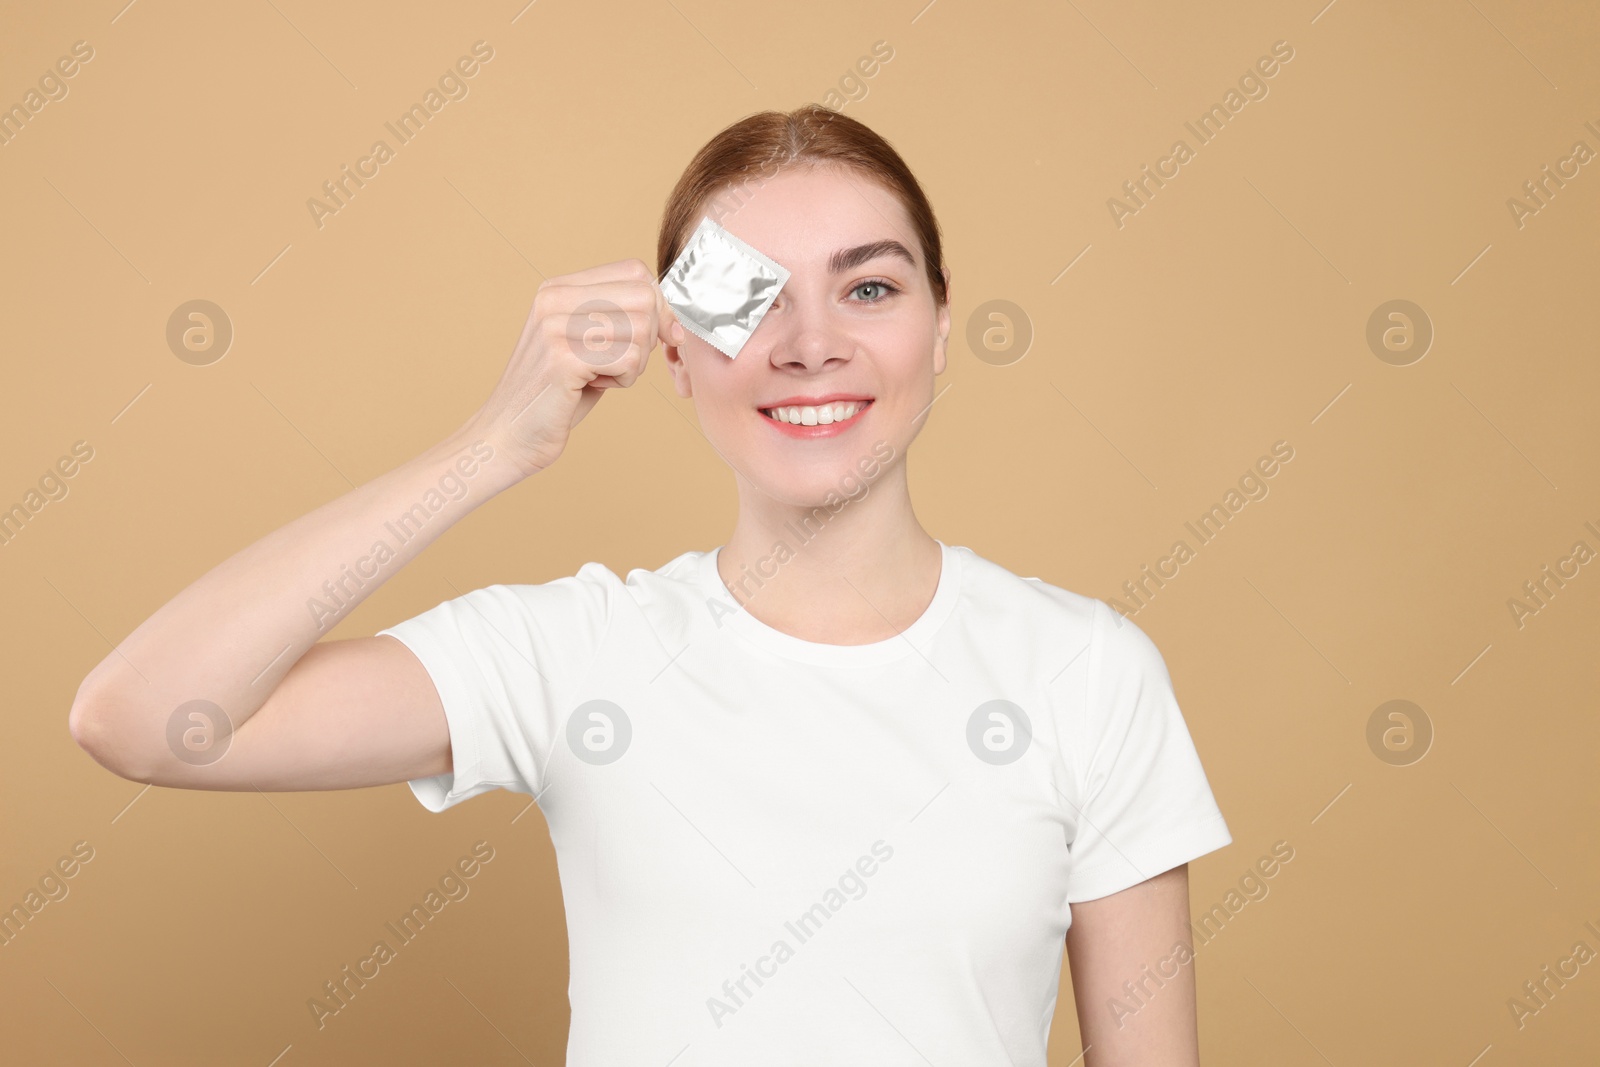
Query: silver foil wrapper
point(720, 287)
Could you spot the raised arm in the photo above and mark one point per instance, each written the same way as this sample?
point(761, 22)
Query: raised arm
point(1131, 957)
point(232, 664)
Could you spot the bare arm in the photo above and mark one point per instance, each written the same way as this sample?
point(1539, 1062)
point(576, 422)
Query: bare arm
point(235, 655)
point(240, 635)
point(1133, 937)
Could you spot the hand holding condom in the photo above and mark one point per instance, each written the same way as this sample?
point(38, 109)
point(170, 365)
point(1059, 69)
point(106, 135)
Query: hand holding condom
point(594, 329)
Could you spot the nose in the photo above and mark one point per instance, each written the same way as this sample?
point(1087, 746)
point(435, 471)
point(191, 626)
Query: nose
point(804, 336)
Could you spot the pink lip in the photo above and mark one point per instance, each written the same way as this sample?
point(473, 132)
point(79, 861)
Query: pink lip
point(832, 429)
point(813, 401)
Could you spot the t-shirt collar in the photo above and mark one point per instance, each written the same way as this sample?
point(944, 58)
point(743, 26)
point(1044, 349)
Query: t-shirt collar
point(917, 638)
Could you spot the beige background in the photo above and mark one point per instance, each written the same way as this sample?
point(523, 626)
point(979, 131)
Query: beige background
point(1227, 314)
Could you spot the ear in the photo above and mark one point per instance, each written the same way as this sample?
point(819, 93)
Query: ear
point(679, 369)
point(942, 341)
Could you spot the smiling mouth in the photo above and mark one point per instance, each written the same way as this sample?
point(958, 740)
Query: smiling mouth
point(818, 415)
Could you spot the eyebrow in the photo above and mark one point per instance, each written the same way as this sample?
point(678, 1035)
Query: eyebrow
point(848, 258)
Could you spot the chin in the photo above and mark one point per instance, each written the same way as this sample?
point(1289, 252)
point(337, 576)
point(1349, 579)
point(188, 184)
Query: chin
point(830, 483)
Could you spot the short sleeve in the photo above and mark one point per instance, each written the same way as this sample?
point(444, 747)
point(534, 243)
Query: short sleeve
point(1146, 805)
point(507, 661)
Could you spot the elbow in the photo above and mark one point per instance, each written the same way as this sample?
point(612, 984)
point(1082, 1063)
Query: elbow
point(96, 730)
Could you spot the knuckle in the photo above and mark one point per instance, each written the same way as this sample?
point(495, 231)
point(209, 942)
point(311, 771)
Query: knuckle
point(550, 327)
point(542, 299)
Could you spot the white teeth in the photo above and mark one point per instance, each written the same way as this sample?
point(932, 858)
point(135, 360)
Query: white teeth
point(820, 415)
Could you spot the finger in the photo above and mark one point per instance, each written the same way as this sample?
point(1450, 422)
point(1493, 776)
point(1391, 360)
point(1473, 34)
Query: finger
point(607, 344)
point(669, 330)
point(620, 271)
point(638, 353)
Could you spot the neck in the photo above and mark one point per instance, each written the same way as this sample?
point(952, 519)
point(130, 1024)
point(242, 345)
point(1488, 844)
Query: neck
point(845, 571)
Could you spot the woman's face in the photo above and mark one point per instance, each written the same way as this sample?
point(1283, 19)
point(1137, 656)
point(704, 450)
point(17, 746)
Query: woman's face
point(857, 319)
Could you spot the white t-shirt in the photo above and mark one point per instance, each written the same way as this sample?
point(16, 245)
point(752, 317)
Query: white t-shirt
point(781, 852)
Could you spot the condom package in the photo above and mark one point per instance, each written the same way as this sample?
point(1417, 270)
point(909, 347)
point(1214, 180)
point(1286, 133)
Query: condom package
point(720, 287)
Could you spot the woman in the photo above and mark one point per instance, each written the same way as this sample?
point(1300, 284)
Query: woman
point(835, 792)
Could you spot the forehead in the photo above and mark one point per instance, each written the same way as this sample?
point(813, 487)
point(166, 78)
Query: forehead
point(801, 217)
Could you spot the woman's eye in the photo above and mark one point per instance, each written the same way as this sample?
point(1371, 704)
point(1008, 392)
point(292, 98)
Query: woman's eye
point(882, 290)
